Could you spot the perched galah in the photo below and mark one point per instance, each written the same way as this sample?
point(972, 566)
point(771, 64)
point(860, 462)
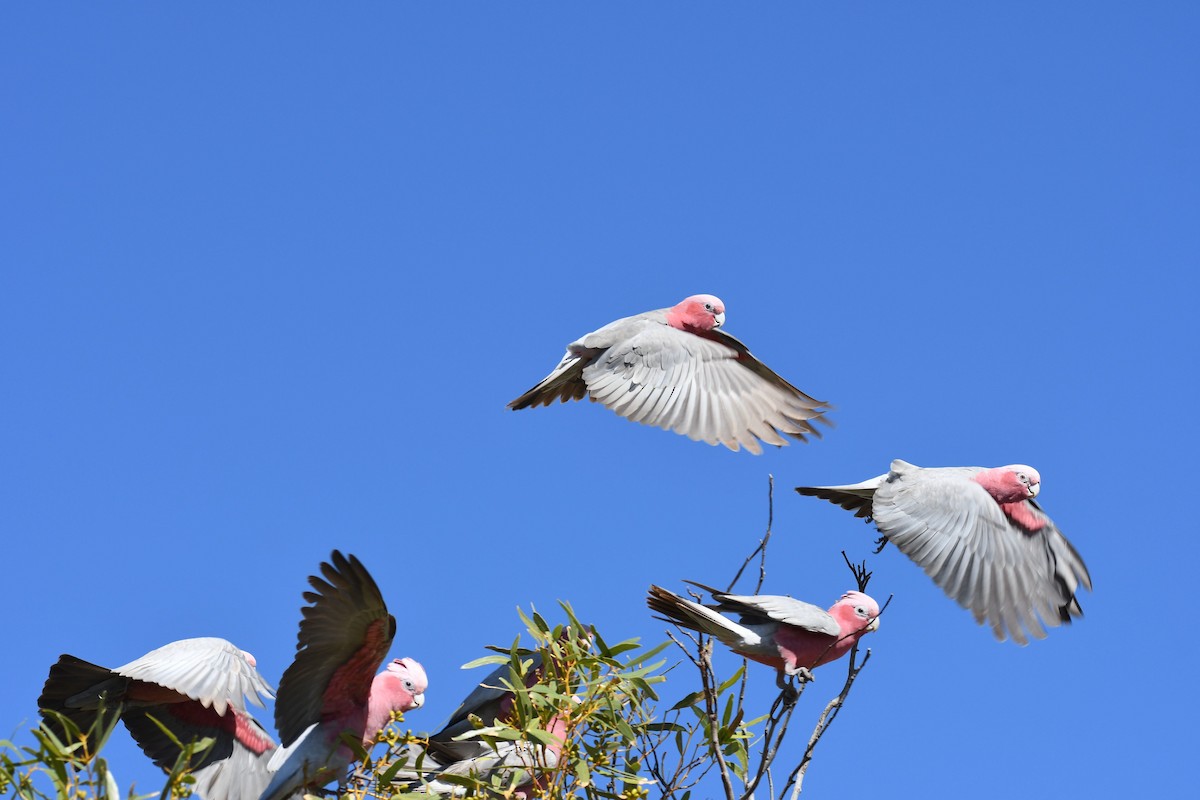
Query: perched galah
point(520, 765)
point(676, 369)
point(790, 635)
point(331, 689)
point(490, 702)
point(981, 537)
point(194, 688)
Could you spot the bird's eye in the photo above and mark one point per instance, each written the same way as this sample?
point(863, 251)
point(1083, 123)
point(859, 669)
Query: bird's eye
point(408, 685)
point(861, 611)
point(708, 307)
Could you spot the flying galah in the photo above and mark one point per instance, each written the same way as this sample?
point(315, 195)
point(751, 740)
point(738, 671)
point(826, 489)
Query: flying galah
point(193, 687)
point(790, 635)
point(676, 369)
point(331, 688)
point(981, 537)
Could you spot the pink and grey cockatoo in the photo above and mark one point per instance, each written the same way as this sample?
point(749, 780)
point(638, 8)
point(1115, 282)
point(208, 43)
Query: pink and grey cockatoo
point(792, 636)
point(981, 537)
point(331, 689)
point(676, 369)
point(194, 688)
point(520, 764)
point(490, 702)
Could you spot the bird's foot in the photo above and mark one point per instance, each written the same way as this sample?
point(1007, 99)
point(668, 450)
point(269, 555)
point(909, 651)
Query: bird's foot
point(880, 543)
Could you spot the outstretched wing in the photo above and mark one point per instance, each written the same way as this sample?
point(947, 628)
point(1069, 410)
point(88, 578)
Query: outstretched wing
point(210, 670)
point(344, 636)
point(708, 388)
point(1006, 572)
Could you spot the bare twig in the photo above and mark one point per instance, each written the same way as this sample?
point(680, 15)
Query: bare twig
point(796, 779)
point(777, 725)
point(761, 549)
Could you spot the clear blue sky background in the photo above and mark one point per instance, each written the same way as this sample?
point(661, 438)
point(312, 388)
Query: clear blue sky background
point(272, 271)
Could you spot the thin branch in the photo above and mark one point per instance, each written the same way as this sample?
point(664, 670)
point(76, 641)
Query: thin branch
point(824, 721)
point(761, 549)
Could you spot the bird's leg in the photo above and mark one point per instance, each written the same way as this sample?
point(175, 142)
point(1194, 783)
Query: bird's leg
point(787, 691)
point(880, 543)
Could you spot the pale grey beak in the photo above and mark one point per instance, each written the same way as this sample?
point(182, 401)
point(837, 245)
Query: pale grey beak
point(719, 320)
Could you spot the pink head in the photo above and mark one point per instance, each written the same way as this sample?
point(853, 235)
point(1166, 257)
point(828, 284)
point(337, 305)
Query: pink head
point(1012, 484)
point(857, 614)
point(700, 312)
point(402, 684)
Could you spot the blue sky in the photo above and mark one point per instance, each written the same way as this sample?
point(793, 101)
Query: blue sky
point(271, 274)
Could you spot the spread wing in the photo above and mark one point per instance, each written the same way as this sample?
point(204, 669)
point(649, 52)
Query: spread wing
point(708, 388)
point(210, 670)
point(1005, 573)
point(344, 636)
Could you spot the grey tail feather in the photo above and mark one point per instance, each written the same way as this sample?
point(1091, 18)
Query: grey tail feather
point(563, 384)
point(668, 604)
point(861, 506)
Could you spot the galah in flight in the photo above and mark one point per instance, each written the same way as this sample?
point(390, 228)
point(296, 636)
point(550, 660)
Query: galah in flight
point(331, 689)
point(675, 368)
point(792, 636)
point(194, 688)
point(981, 537)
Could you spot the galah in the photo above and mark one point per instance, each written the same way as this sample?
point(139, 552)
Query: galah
point(490, 702)
point(675, 368)
point(331, 689)
point(790, 635)
point(193, 687)
point(981, 537)
point(519, 763)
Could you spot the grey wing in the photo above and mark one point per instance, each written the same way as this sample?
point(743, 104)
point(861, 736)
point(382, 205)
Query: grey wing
point(485, 701)
point(346, 619)
point(780, 608)
point(213, 671)
point(1069, 570)
point(955, 531)
point(511, 759)
point(708, 389)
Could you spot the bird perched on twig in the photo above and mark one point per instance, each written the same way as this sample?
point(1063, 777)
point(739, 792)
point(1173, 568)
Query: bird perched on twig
point(790, 635)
